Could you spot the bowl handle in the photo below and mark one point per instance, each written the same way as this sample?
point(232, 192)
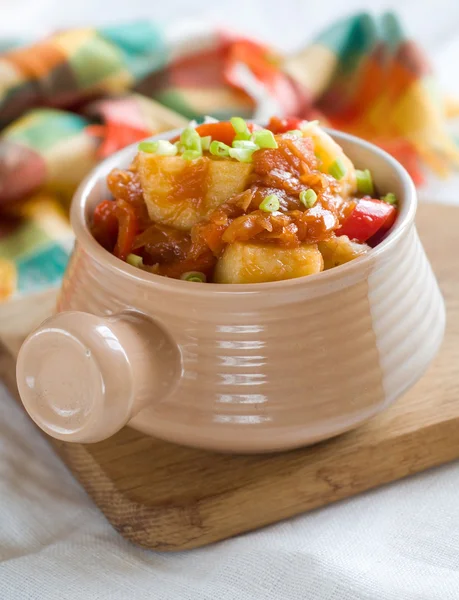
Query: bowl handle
point(82, 377)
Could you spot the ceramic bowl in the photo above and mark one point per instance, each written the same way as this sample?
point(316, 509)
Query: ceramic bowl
point(239, 368)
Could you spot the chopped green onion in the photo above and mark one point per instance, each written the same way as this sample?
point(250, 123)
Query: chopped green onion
point(308, 198)
point(165, 148)
point(264, 139)
point(219, 149)
point(241, 154)
point(390, 198)
point(134, 260)
point(191, 154)
point(337, 169)
point(246, 144)
point(148, 146)
point(239, 125)
point(364, 182)
point(196, 276)
point(161, 147)
point(270, 203)
point(205, 142)
point(190, 139)
point(296, 132)
point(241, 129)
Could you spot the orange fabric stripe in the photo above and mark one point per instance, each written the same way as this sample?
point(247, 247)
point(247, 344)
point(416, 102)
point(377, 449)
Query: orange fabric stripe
point(36, 61)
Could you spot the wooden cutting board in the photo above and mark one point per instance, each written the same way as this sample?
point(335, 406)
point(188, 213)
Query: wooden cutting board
point(168, 497)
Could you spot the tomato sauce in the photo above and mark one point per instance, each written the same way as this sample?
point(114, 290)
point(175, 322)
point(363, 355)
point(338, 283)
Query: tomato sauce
point(123, 226)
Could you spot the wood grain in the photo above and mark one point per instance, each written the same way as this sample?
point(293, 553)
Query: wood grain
point(168, 497)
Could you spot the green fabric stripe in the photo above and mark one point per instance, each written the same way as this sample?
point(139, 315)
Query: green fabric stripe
point(351, 40)
point(175, 100)
point(363, 39)
point(95, 60)
point(43, 128)
point(42, 270)
point(392, 31)
point(8, 44)
point(141, 45)
point(24, 240)
point(336, 37)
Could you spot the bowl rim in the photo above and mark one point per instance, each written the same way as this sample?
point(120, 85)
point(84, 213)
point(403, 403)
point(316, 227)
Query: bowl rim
point(85, 238)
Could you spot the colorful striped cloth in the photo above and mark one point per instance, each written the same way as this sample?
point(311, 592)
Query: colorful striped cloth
point(80, 95)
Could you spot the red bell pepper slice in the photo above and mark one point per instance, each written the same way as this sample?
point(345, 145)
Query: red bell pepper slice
point(127, 229)
point(368, 217)
point(115, 226)
point(105, 224)
point(222, 131)
point(277, 125)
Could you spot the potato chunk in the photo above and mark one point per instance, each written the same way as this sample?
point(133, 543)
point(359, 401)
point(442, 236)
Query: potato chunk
point(180, 193)
point(340, 250)
point(244, 262)
point(327, 151)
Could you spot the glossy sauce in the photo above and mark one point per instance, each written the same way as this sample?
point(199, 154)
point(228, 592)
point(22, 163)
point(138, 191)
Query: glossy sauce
point(192, 183)
point(285, 171)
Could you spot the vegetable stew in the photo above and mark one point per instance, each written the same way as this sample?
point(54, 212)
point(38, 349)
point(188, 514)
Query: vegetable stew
point(230, 202)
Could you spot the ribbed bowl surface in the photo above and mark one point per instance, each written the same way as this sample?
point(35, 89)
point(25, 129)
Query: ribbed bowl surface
point(274, 366)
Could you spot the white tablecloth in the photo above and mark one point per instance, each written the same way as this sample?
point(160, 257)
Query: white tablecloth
point(400, 542)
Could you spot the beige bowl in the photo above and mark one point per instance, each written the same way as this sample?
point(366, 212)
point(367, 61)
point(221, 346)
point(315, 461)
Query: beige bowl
point(241, 368)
